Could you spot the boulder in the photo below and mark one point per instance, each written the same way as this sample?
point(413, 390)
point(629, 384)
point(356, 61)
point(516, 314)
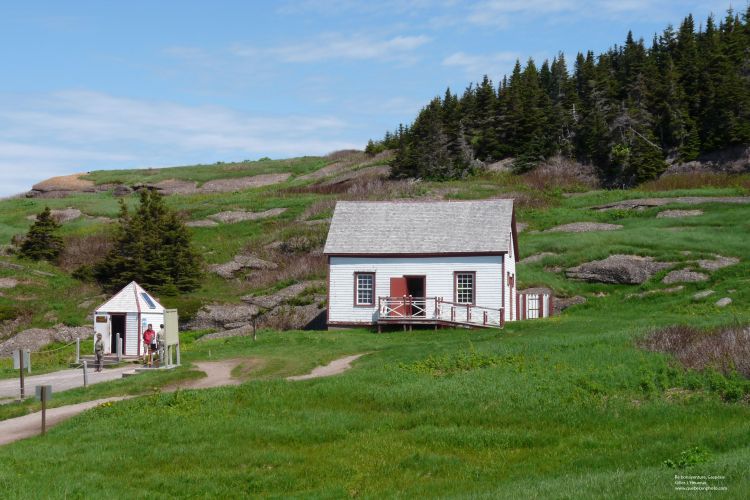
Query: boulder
point(583, 227)
point(618, 269)
point(36, 338)
point(703, 294)
point(222, 316)
point(723, 302)
point(684, 276)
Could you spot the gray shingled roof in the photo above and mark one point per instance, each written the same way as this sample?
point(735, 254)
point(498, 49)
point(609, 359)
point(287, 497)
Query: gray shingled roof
point(420, 227)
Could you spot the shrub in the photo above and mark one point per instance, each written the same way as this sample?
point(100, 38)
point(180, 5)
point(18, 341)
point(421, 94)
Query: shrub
point(724, 349)
point(84, 251)
point(42, 241)
point(692, 456)
point(563, 173)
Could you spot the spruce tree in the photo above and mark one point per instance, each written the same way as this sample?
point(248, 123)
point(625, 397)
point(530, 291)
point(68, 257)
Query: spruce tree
point(42, 241)
point(623, 111)
point(152, 246)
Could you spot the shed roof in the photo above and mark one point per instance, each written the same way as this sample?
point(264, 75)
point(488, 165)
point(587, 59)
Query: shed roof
point(413, 228)
point(132, 298)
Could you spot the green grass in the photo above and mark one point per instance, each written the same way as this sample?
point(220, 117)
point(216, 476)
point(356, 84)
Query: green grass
point(566, 407)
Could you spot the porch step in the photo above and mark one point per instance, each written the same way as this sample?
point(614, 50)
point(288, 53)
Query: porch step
point(129, 374)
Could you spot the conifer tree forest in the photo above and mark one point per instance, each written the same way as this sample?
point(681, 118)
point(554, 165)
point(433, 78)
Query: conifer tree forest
point(626, 111)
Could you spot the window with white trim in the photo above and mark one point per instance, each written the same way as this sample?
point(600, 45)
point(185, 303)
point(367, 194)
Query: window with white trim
point(365, 289)
point(465, 288)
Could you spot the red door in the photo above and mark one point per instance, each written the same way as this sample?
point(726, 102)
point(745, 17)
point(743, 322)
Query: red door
point(399, 289)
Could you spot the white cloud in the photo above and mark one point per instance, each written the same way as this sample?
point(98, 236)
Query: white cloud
point(337, 47)
point(500, 12)
point(477, 65)
point(72, 131)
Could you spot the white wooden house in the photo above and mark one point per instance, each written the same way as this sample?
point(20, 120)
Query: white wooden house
point(436, 263)
point(127, 315)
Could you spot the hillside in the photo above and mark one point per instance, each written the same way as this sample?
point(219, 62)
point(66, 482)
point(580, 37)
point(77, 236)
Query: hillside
point(575, 405)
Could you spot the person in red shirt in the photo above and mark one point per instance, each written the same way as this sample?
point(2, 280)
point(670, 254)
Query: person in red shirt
point(149, 343)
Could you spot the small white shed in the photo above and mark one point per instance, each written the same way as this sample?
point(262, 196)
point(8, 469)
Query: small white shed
point(127, 315)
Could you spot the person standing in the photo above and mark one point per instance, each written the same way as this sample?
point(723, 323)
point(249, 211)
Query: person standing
point(161, 344)
point(149, 342)
point(99, 351)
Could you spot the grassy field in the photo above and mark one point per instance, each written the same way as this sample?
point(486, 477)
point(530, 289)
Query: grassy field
point(567, 407)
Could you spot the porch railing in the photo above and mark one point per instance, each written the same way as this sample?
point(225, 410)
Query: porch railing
point(408, 308)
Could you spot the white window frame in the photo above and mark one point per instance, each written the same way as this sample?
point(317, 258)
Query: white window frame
point(462, 290)
point(358, 288)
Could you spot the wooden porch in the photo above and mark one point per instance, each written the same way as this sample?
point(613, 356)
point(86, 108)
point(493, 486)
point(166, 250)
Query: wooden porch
point(408, 311)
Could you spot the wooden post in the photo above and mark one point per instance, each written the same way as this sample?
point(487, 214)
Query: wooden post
point(20, 371)
point(78, 350)
point(255, 329)
point(119, 348)
point(44, 409)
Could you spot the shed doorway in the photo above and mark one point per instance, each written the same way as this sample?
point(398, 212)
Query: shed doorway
point(417, 288)
point(117, 329)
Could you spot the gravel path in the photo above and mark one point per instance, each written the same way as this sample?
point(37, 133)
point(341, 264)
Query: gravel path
point(333, 368)
point(60, 381)
point(218, 373)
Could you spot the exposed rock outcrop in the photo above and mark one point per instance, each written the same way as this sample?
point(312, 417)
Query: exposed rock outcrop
point(618, 269)
point(676, 214)
point(642, 203)
point(683, 276)
point(283, 295)
point(718, 262)
point(583, 227)
point(223, 316)
point(36, 338)
point(538, 257)
point(562, 303)
point(232, 216)
point(240, 262)
point(61, 215)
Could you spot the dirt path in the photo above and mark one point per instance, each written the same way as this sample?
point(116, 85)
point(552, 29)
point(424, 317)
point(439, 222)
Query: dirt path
point(218, 373)
point(29, 425)
point(333, 368)
point(60, 380)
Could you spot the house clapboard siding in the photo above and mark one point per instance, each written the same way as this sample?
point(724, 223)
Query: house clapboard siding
point(439, 281)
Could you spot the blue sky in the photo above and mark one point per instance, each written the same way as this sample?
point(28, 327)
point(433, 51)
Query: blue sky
point(105, 84)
